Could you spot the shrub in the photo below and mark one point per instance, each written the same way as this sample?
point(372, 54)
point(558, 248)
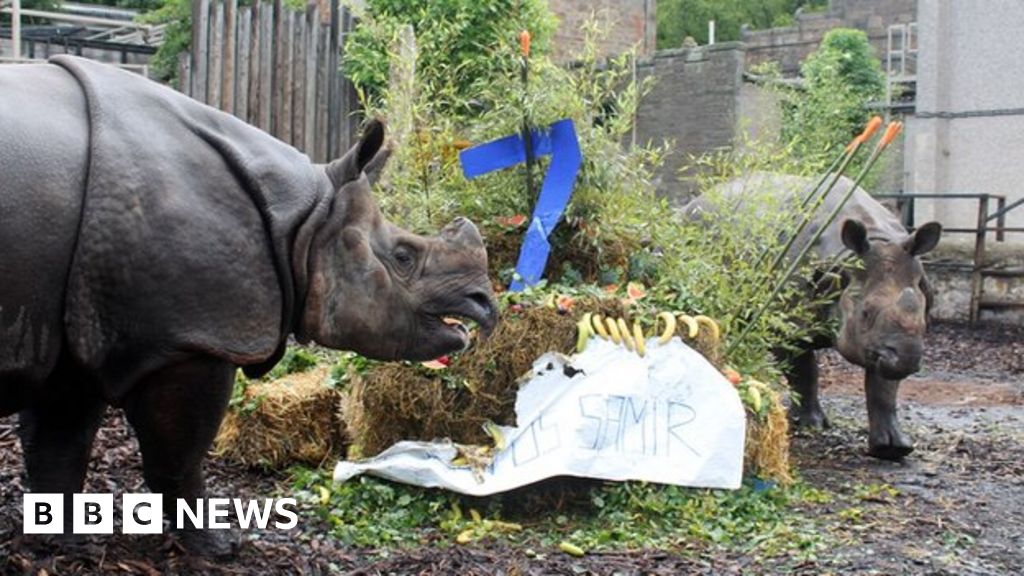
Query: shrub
point(460, 43)
point(840, 78)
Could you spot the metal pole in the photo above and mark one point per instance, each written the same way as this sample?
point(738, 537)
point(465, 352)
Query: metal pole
point(16, 29)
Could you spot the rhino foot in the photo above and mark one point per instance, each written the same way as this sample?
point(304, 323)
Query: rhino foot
point(890, 445)
point(209, 544)
point(811, 418)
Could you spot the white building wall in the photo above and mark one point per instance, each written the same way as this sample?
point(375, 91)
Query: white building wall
point(968, 131)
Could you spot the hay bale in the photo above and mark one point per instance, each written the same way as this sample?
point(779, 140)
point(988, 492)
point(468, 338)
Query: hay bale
point(397, 402)
point(402, 402)
point(293, 419)
point(767, 446)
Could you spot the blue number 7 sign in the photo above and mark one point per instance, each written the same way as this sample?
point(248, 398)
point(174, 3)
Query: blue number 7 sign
point(558, 140)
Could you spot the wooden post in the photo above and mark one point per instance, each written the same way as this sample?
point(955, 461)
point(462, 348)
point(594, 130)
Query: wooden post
point(333, 95)
point(243, 60)
point(309, 95)
point(200, 31)
point(977, 279)
point(227, 86)
point(266, 67)
point(185, 73)
point(216, 52)
point(321, 94)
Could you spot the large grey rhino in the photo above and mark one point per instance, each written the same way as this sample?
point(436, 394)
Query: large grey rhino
point(882, 310)
point(152, 244)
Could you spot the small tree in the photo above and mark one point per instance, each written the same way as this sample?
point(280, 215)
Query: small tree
point(460, 43)
point(840, 78)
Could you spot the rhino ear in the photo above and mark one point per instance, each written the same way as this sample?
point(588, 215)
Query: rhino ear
point(855, 237)
point(924, 239)
point(352, 164)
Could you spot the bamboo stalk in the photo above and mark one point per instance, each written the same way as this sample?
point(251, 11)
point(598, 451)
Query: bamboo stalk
point(890, 133)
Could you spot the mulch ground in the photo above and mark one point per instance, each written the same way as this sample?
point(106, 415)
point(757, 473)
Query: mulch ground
point(956, 506)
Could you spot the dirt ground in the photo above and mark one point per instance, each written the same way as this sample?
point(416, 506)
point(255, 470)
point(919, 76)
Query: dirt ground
point(956, 506)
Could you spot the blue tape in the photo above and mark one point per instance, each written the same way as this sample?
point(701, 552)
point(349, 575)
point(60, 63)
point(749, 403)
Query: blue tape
point(558, 140)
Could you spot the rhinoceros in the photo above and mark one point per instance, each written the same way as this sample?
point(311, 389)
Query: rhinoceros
point(883, 309)
point(151, 245)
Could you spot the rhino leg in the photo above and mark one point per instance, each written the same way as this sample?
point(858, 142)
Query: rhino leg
point(802, 375)
point(885, 438)
point(57, 432)
point(176, 413)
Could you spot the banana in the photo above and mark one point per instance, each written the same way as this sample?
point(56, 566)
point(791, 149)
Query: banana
point(584, 330)
point(638, 339)
point(495, 433)
point(613, 330)
point(758, 384)
point(627, 336)
point(571, 549)
point(599, 326)
point(670, 327)
point(755, 398)
point(716, 332)
point(691, 325)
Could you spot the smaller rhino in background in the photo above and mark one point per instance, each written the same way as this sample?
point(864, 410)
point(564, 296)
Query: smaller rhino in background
point(151, 245)
point(882, 311)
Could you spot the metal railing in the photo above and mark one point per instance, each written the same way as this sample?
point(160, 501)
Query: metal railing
point(905, 204)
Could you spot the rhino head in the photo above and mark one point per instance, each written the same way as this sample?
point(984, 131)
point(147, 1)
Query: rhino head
point(884, 310)
point(382, 291)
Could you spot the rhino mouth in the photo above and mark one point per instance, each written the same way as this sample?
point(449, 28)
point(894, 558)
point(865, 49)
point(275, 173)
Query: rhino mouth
point(476, 315)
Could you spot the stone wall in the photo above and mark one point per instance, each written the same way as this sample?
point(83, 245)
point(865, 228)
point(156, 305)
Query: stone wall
point(952, 284)
point(791, 44)
point(695, 103)
point(630, 23)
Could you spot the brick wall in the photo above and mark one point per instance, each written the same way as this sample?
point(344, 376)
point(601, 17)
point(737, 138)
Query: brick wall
point(630, 22)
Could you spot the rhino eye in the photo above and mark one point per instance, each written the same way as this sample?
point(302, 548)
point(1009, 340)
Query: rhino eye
point(404, 257)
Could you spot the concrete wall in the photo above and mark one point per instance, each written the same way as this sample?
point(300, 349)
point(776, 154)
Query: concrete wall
point(695, 103)
point(968, 131)
point(630, 23)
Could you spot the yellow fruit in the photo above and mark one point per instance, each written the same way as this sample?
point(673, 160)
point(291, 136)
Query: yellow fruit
point(599, 326)
point(613, 330)
point(693, 329)
point(465, 537)
point(584, 330)
point(755, 398)
point(571, 549)
point(627, 337)
point(716, 333)
point(757, 383)
point(670, 327)
point(638, 339)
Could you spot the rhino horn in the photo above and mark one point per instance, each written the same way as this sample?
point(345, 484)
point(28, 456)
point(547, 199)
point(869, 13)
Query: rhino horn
point(366, 155)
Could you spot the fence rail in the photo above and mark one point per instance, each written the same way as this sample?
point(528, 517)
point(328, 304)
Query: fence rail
point(275, 68)
point(978, 267)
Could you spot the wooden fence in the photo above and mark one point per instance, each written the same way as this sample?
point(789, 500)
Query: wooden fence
point(275, 68)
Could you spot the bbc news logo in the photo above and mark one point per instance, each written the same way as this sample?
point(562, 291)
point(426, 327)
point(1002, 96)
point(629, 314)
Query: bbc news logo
point(143, 513)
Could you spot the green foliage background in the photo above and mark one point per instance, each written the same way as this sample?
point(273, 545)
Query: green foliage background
point(678, 19)
point(460, 42)
point(839, 80)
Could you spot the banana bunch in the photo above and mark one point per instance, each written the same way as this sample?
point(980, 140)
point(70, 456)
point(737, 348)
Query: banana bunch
point(618, 331)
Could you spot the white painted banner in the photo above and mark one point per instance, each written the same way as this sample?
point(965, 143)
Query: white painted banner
point(669, 417)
